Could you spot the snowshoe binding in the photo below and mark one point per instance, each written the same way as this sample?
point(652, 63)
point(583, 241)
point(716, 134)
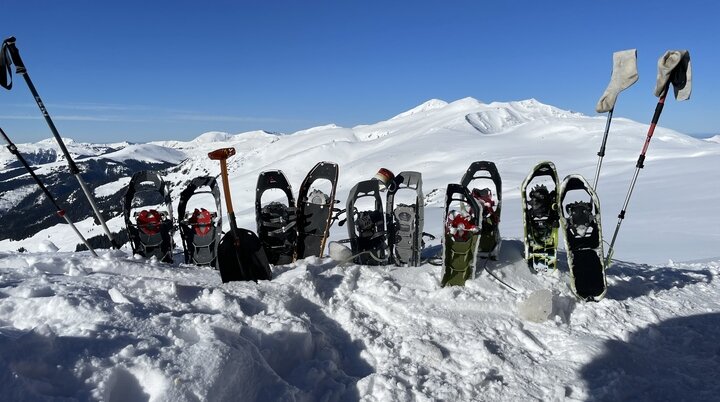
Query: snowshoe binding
point(200, 229)
point(147, 211)
point(540, 217)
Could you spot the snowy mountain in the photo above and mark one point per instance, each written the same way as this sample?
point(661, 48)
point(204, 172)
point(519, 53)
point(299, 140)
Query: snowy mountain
point(122, 328)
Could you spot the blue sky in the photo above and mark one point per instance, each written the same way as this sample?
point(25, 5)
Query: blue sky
point(152, 70)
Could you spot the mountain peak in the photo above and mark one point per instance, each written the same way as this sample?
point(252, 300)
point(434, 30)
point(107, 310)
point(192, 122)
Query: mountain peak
point(212, 136)
point(427, 106)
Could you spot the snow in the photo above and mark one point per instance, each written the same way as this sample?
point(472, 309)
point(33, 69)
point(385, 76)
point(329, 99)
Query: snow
point(147, 152)
point(124, 328)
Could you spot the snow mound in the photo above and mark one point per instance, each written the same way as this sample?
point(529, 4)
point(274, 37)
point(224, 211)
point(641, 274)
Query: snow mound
point(715, 138)
point(147, 152)
point(537, 307)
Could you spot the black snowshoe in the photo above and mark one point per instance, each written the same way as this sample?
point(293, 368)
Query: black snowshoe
point(150, 229)
point(405, 221)
point(580, 221)
point(200, 229)
point(540, 217)
point(462, 227)
point(315, 210)
point(366, 227)
point(491, 204)
point(276, 221)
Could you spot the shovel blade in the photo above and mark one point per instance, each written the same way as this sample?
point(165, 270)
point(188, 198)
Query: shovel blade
point(241, 257)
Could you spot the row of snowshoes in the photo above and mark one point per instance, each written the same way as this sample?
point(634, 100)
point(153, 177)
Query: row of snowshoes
point(291, 230)
point(150, 223)
point(390, 235)
point(573, 207)
point(286, 231)
point(472, 222)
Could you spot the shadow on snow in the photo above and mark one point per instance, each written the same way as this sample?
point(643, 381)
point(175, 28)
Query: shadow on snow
point(677, 359)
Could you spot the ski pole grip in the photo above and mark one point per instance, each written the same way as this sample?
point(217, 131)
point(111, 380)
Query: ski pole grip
point(221, 154)
point(9, 44)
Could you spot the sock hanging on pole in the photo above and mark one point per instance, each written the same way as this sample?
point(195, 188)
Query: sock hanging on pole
point(624, 75)
point(10, 55)
point(61, 212)
point(673, 68)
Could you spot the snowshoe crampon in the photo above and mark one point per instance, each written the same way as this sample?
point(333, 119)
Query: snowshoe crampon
point(200, 229)
point(580, 221)
point(462, 228)
point(477, 178)
point(276, 221)
point(314, 209)
point(150, 226)
point(366, 225)
point(405, 220)
point(539, 200)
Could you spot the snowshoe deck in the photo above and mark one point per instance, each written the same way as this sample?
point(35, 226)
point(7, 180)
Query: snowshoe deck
point(315, 209)
point(150, 230)
point(276, 221)
point(460, 240)
point(540, 217)
point(200, 229)
point(490, 240)
point(581, 224)
point(405, 221)
point(366, 228)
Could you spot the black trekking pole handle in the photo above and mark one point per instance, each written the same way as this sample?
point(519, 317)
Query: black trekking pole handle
point(9, 45)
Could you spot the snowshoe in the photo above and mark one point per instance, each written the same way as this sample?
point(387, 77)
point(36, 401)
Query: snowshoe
point(491, 204)
point(200, 229)
point(315, 208)
point(276, 221)
point(540, 217)
point(366, 227)
point(405, 221)
point(581, 224)
point(148, 216)
point(462, 227)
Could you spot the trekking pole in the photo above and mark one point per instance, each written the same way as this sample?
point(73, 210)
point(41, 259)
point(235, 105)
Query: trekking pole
point(624, 74)
point(673, 68)
point(61, 212)
point(11, 55)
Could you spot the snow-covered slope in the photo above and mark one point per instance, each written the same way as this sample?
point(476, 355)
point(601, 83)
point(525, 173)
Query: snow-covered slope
point(114, 329)
point(670, 215)
point(119, 328)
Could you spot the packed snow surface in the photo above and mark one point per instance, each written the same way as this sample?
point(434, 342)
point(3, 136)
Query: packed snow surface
point(123, 328)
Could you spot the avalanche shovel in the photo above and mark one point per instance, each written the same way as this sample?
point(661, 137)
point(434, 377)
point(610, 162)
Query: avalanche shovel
point(673, 68)
point(624, 74)
point(241, 256)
